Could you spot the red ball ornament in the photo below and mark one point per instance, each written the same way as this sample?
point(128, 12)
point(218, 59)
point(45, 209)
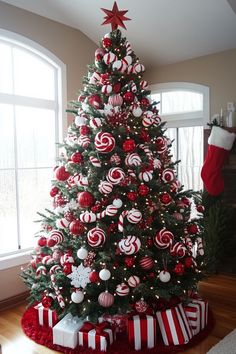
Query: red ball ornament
point(47, 301)
point(146, 263)
point(165, 198)
point(94, 277)
point(67, 268)
point(54, 191)
point(96, 208)
point(105, 79)
point(128, 97)
point(200, 208)
point(51, 242)
point(129, 261)
point(132, 196)
point(85, 199)
point(61, 174)
point(69, 215)
point(186, 201)
point(192, 229)
point(84, 130)
point(107, 42)
point(42, 241)
point(188, 262)
point(76, 227)
point(95, 101)
point(116, 87)
point(179, 269)
point(129, 145)
point(149, 242)
point(144, 102)
point(106, 299)
point(143, 190)
point(77, 157)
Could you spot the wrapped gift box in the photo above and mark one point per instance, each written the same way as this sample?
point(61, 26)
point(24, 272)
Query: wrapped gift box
point(46, 317)
point(174, 326)
point(193, 314)
point(142, 331)
point(98, 336)
point(118, 321)
point(65, 332)
point(203, 305)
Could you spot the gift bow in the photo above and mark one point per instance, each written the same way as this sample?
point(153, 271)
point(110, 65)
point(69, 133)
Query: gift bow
point(99, 327)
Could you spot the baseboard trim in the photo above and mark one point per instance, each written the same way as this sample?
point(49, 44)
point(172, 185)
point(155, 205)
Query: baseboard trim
point(13, 301)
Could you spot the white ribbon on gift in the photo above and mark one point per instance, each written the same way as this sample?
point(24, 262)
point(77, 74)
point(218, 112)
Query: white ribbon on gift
point(92, 339)
point(40, 310)
point(150, 335)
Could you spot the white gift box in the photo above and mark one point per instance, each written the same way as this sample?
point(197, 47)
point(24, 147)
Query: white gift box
point(65, 333)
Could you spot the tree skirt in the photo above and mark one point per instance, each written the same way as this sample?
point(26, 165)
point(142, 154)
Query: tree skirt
point(43, 335)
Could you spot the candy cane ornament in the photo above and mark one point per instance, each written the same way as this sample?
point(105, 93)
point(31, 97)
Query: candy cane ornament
point(121, 220)
point(59, 297)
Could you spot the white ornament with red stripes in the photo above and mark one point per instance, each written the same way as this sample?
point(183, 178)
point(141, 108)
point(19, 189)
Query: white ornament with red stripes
point(164, 239)
point(128, 48)
point(95, 161)
point(133, 281)
point(109, 58)
point(178, 250)
point(66, 258)
point(133, 159)
point(106, 89)
point(161, 144)
point(105, 187)
point(156, 120)
point(145, 176)
point(143, 84)
point(95, 78)
point(111, 210)
point(84, 141)
point(139, 68)
point(55, 269)
point(115, 175)
point(62, 223)
point(130, 69)
point(47, 260)
point(147, 121)
point(164, 276)
point(41, 270)
point(101, 215)
point(189, 244)
point(104, 142)
point(134, 216)
point(57, 236)
point(83, 181)
point(200, 249)
point(115, 100)
point(117, 202)
point(122, 289)
point(157, 163)
point(80, 120)
point(128, 60)
point(95, 123)
point(88, 217)
point(167, 175)
point(129, 245)
point(96, 237)
point(133, 87)
point(147, 151)
point(119, 65)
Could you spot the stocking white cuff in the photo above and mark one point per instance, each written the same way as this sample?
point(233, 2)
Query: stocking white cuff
point(221, 138)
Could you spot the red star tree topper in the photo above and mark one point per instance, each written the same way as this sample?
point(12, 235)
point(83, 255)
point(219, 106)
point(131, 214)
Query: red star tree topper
point(115, 17)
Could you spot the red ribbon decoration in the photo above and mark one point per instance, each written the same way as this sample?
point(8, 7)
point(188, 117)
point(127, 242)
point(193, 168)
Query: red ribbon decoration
point(99, 327)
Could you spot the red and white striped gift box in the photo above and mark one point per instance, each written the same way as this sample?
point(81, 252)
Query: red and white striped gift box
point(174, 326)
point(193, 314)
point(203, 311)
point(46, 317)
point(142, 331)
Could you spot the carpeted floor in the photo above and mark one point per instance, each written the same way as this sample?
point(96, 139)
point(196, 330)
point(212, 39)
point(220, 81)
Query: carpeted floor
point(226, 346)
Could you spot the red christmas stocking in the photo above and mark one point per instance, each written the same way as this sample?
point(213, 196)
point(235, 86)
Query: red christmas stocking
point(220, 143)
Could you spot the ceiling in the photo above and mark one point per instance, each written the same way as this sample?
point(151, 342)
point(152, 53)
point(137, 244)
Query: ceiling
point(161, 31)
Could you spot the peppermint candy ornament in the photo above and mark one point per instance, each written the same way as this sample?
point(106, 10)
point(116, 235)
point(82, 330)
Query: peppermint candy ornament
point(95, 123)
point(133, 160)
point(115, 175)
point(84, 141)
point(41, 270)
point(143, 84)
point(47, 260)
point(96, 237)
point(106, 89)
point(95, 78)
point(167, 175)
point(55, 269)
point(66, 258)
point(133, 281)
point(62, 223)
point(129, 245)
point(119, 65)
point(139, 68)
point(164, 239)
point(105, 187)
point(95, 161)
point(161, 145)
point(88, 217)
point(145, 176)
point(134, 216)
point(57, 236)
point(109, 58)
point(178, 250)
point(122, 289)
point(104, 142)
point(111, 210)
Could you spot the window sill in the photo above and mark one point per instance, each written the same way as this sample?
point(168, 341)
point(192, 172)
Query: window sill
point(15, 260)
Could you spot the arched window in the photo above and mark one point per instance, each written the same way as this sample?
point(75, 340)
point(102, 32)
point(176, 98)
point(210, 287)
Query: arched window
point(32, 102)
point(185, 108)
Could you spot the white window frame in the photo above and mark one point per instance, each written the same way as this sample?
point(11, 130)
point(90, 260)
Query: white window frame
point(59, 106)
point(186, 119)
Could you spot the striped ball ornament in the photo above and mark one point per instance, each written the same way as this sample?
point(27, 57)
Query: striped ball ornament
point(133, 281)
point(105, 187)
point(106, 299)
point(164, 239)
point(129, 245)
point(146, 263)
point(122, 289)
point(96, 237)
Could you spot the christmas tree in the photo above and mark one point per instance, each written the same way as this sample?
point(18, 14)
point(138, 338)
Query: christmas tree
point(119, 236)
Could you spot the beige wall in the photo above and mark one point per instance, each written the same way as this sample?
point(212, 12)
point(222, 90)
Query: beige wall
point(70, 46)
point(218, 71)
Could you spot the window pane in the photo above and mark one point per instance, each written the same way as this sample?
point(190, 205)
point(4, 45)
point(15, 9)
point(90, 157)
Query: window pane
point(5, 68)
point(35, 137)
point(33, 77)
point(7, 157)
point(34, 186)
point(190, 145)
point(8, 220)
point(181, 101)
point(171, 133)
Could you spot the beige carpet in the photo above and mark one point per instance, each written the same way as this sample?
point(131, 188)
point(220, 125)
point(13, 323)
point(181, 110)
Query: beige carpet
point(226, 346)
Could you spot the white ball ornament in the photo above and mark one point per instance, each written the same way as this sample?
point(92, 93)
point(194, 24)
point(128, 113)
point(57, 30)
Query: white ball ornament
point(133, 281)
point(77, 297)
point(117, 203)
point(137, 112)
point(104, 274)
point(164, 276)
point(82, 253)
point(79, 121)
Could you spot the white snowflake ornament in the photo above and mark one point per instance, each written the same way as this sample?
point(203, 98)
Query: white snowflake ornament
point(80, 276)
